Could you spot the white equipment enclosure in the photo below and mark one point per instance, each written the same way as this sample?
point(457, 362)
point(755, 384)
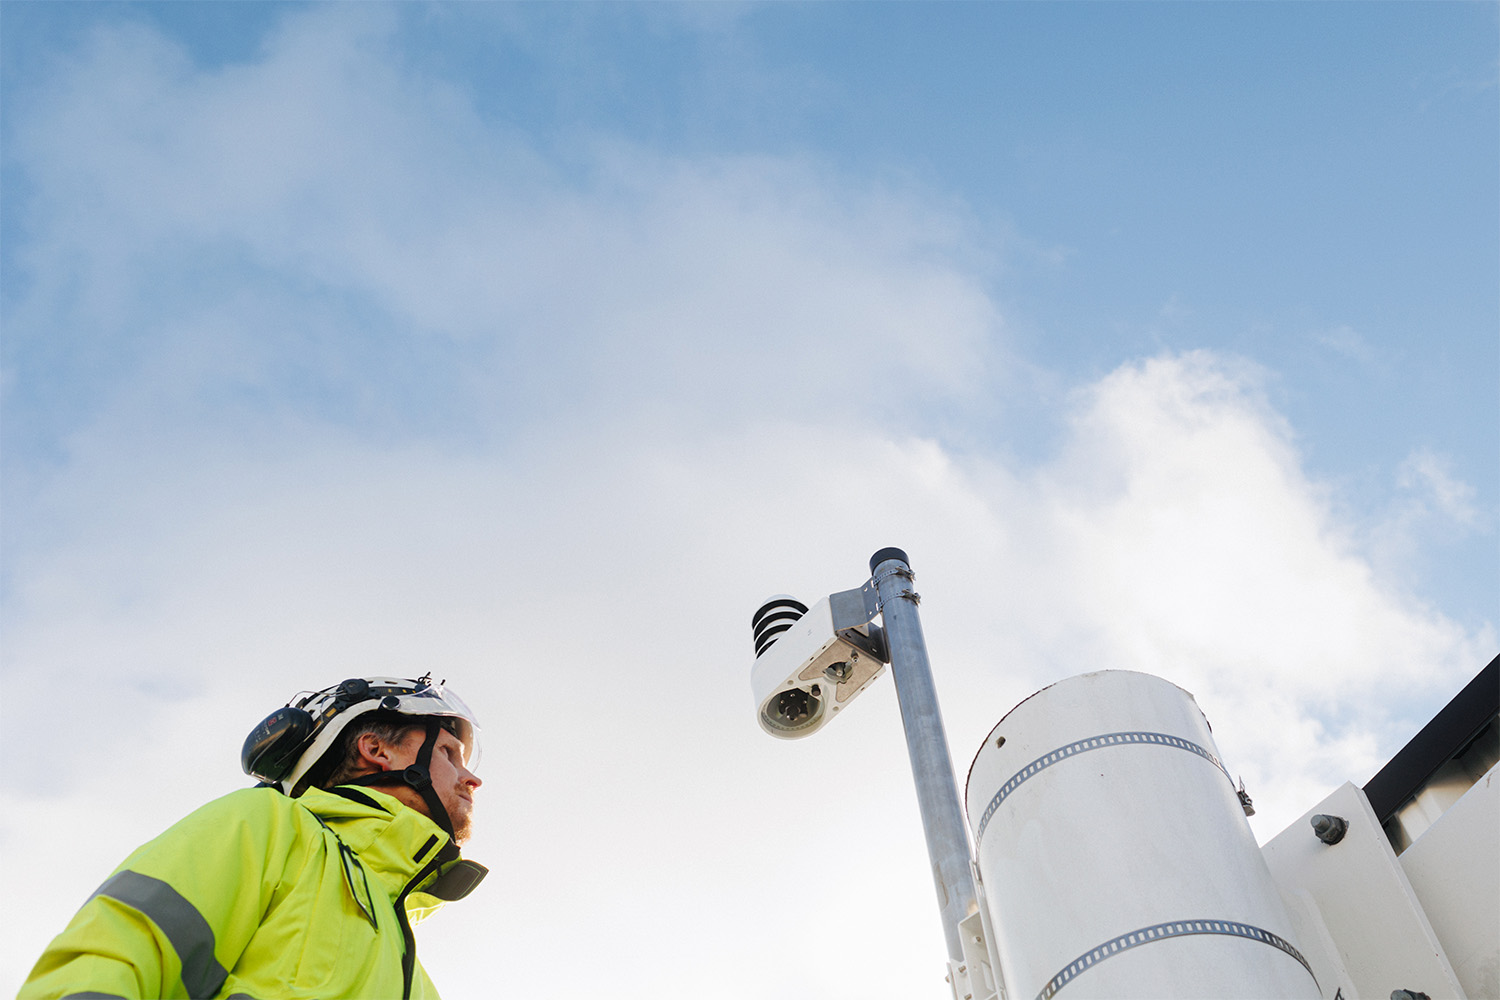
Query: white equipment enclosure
point(1114, 856)
point(1111, 858)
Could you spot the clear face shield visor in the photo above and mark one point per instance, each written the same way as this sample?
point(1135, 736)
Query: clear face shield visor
point(437, 700)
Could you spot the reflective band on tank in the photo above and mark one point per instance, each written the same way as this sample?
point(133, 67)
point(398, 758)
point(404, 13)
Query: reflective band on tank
point(1160, 932)
point(179, 920)
point(1082, 746)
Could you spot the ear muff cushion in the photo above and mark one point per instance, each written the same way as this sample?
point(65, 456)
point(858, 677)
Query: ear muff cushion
point(272, 748)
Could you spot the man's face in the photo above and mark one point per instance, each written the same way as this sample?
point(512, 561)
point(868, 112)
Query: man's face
point(453, 782)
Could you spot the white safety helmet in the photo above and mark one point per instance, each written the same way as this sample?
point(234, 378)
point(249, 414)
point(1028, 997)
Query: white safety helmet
point(293, 740)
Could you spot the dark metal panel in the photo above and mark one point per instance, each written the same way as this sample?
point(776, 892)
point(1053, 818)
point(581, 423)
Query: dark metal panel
point(1449, 731)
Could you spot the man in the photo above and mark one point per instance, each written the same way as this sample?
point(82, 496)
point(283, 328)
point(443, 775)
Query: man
point(306, 885)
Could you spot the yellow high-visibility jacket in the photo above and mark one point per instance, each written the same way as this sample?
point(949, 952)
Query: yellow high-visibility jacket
point(262, 896)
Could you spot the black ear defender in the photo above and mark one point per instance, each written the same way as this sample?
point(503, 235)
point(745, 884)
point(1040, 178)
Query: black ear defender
point(272, 748)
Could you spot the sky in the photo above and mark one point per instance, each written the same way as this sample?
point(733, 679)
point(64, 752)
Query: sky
point(535, 345)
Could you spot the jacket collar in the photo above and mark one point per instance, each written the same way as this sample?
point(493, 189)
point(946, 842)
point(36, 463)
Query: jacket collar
point(393, 841)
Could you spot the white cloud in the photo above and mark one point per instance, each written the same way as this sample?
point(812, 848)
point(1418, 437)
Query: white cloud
point(386, 390)
point(1430, 508)
point(1195, 547)
point(1348, 342)
point(594, 604)
point(322, 186)
point(1429, 479)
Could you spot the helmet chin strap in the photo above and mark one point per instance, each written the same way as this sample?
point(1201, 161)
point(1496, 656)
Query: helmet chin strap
point(418, 777)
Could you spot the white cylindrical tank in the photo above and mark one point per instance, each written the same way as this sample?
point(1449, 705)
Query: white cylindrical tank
point(1115, 856)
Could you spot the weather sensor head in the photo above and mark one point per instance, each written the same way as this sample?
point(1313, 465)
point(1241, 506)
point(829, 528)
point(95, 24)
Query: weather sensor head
point(811, 662)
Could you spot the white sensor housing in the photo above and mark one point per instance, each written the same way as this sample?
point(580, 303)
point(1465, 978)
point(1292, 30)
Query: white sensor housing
point(810, 672)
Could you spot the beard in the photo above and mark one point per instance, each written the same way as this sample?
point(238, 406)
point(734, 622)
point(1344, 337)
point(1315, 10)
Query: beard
point(462, 818)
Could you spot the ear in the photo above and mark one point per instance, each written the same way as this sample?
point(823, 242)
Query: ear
point(374, 752)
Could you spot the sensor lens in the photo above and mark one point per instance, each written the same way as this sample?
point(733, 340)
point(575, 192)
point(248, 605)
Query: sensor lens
point(793, 706)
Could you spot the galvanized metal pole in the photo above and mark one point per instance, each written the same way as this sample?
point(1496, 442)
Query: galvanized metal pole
point(927, 744)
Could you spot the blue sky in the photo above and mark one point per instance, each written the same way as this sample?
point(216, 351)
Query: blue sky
point(1308, 187)
point(535, 344)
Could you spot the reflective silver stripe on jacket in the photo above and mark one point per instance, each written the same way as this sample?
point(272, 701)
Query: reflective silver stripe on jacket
point(179, 920)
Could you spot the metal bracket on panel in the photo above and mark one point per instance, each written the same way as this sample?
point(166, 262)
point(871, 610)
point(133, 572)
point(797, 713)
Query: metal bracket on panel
point(871, 639)
point(852, 608)
point(852, 612)
point(989, 944)
point(973, 978)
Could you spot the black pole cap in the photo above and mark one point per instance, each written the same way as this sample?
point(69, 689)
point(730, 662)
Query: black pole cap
point(888, 553)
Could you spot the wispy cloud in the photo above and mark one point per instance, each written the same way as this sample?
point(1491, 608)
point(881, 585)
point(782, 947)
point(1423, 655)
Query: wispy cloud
point(1429, 479)
point(1346, 341)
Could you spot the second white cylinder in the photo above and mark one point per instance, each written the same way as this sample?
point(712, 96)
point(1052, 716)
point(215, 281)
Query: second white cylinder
point(1114, 853)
